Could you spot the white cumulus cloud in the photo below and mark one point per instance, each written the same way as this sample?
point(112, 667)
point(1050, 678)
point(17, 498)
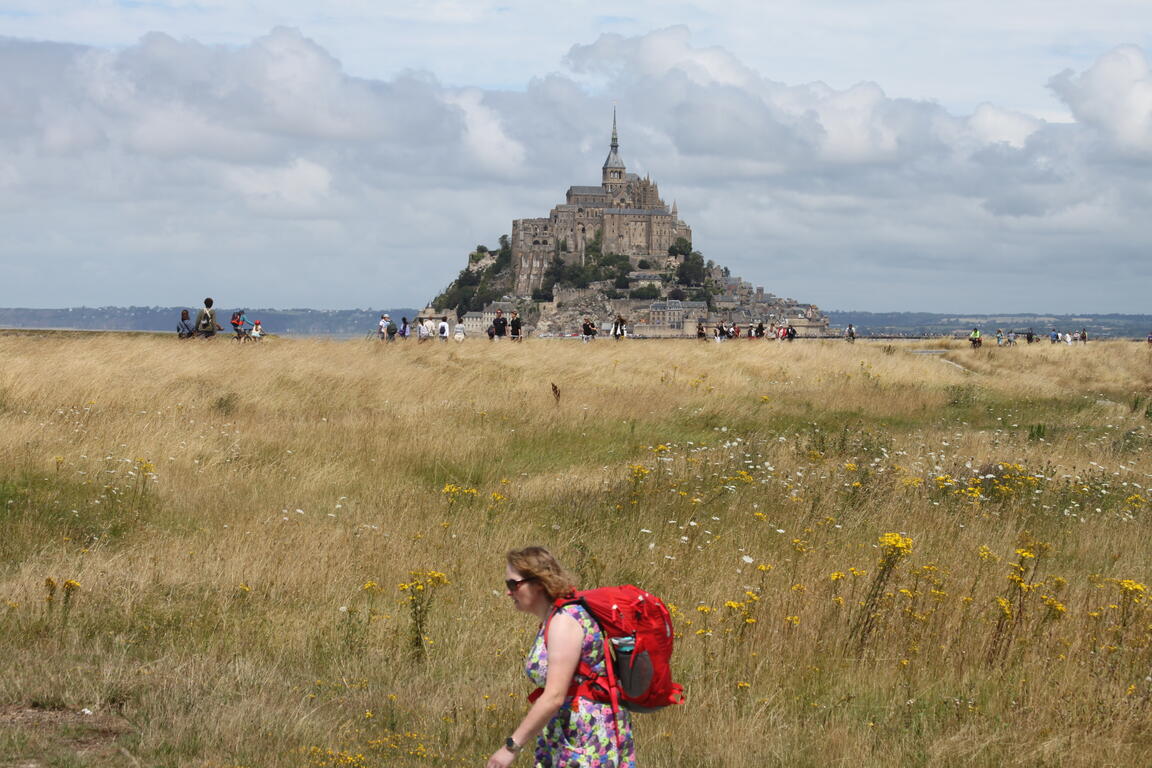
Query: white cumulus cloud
point(1114, 96)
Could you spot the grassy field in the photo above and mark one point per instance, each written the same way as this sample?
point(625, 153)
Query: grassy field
point(290, 554)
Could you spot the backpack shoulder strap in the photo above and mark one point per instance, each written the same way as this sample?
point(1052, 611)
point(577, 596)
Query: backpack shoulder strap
point(589, 687)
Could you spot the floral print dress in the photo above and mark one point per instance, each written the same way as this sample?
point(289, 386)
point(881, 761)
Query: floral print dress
point(582, 734)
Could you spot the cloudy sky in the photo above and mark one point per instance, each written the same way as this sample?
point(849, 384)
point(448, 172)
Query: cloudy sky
point(886, 155)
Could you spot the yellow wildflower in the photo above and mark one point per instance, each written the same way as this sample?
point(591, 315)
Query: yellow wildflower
point(895, 545)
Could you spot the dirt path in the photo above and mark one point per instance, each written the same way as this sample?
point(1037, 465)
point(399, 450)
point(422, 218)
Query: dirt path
point(37, 738)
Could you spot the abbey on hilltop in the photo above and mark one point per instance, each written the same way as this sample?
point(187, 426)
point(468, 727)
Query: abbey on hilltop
point(625, 212)
point(616, 249)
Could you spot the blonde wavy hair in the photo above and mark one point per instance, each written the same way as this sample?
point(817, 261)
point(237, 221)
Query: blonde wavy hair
point(541, 566)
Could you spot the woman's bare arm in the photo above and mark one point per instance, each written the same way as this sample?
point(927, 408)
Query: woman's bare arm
point(564, 641)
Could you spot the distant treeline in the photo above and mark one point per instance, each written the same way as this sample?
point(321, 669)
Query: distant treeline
point(933, 324)
point(305, 322)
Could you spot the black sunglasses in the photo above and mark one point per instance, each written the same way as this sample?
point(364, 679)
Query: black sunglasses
point(512, 584)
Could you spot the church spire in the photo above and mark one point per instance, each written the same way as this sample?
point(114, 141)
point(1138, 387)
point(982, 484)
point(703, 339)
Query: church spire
point(614, 162)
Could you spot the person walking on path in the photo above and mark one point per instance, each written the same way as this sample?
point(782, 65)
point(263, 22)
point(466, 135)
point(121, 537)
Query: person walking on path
point(569, 731)
point(500, 325)
point(516, 327)
point(619, 328)
point(442, 330)
point(405, 329)
point(206, 324)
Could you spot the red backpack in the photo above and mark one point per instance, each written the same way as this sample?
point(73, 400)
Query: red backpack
point(638, 639)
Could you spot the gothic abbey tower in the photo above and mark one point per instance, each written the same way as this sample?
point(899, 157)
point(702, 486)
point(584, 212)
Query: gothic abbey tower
point(625, 210)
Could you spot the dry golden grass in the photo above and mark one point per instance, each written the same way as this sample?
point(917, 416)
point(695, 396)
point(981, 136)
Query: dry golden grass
point(239, 520)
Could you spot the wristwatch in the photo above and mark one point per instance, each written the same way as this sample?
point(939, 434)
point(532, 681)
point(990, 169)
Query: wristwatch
point(511, 745)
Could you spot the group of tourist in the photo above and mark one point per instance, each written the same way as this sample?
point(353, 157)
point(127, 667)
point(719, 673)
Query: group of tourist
point(512, 328)
point(1076, 337)
point(976, 338)
point(206, 326)
point(428, 328)
point(724, 331)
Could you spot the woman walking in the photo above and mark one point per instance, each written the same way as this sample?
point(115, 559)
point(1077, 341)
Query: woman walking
point(570, 731)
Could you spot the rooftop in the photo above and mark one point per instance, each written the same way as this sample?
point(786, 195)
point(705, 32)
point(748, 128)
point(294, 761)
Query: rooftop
point(586, 190)
point(636, 211)
point(674, 304)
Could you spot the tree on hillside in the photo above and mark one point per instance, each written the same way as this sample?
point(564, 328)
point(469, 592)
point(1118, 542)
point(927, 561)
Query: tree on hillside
point(504, 255)
point(645, 292)
point(473, 289)
point(592, 247)
point(691, 270)
point(682, 247)
point(703, 295)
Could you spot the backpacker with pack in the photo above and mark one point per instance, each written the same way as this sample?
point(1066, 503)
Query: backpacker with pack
point(236, 320)
point(638, 640)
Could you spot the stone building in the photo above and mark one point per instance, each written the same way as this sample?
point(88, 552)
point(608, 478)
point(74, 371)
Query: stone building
point(624, 209)
point(673, 313)
point(474, 324)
